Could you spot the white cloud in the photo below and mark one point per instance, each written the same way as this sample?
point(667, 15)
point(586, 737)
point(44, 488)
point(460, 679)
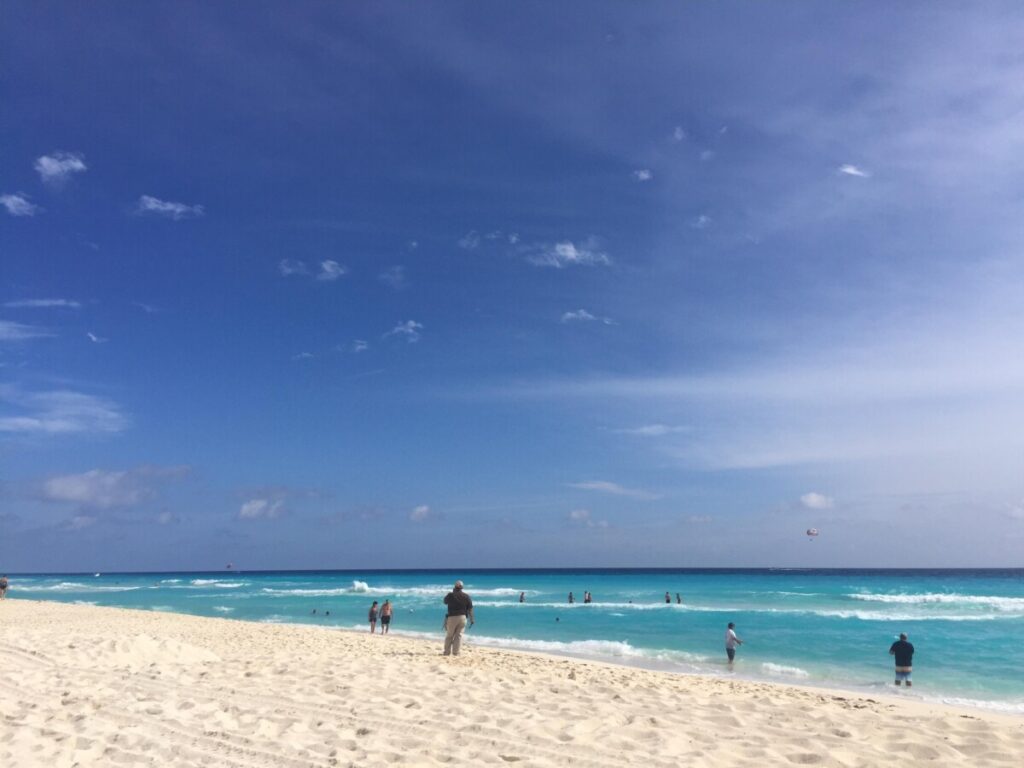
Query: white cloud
point(43, 303)
point(470, 240)
point(266, 509)
point(583, 517)
point(604, 486)
point(577, 316)
point(853, 170)
point(513, 238)
point(176, 211)
point(97, 489)
point(292, 267)
point(303, 356)
point(701, 222)
point(394, 277)
point(643, 174)
point(678, 134)
point(60, 412)
point(359, 345)
point(410, 329)
point(567, 254)
point(651, 430)
point(815, 500)
point(331, 270)
point(96, 339)
point(167, 518)
point(58, 167)
point(707, 156)
point(12, 331)
point(78, 522)
point(149, 309)
point(420, 514)
point(18, 204)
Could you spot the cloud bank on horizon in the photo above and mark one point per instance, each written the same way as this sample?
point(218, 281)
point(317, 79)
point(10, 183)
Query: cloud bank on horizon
point(666, 298)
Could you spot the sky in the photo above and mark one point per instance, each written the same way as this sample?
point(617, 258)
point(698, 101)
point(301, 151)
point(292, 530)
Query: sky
point(481, 284)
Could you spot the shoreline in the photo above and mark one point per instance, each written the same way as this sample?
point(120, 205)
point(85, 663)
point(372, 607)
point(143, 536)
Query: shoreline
point(641, 661)
point(92, 685)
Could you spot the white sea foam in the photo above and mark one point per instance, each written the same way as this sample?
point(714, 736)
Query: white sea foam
point(73, 586)
point(781, 670)
point(223, 608)
point(170, 581)
point(363, 588)
point(998, 602)
point(163, 608)
point(1012, 707)
point(218, 583)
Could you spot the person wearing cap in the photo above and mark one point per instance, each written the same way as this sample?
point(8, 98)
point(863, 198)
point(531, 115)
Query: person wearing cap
point(460, 609)
point(904, 653)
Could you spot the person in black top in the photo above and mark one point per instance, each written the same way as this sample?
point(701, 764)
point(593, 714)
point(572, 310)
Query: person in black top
point(904, 653)
point(460, 607)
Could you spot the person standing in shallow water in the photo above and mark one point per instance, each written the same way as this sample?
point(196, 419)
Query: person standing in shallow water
point(668, 598)
point(385, 617)
point(373, 617)
point(460, 608)
point(731, 641)
point(3, 587)
point(571, 598)
point(904, 653)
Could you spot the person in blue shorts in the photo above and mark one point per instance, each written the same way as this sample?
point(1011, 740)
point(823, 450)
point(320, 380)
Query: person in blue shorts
point(904, 653)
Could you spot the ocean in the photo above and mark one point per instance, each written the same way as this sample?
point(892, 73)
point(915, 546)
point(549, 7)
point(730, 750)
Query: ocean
point(812, 627)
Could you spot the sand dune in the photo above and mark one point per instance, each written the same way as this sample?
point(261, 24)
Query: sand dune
point(89, 686)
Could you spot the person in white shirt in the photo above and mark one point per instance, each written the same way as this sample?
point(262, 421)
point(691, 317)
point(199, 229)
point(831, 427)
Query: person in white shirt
point(731, 641)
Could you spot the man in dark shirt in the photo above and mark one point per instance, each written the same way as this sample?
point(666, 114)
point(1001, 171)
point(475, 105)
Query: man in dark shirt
point(460, 607)
point(904, 653)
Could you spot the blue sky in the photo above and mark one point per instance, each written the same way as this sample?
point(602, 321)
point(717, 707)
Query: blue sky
point(482, 284)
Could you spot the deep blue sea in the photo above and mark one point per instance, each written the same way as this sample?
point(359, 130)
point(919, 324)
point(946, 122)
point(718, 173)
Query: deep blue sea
point(813, 627)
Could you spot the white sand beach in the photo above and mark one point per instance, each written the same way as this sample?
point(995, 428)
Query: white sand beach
point(90, 686)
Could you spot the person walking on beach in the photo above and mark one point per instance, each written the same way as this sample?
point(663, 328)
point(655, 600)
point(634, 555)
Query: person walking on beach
point(731, 641)
point(904, 653)
point(3, 587)
point(460, 607)
point(373, 617)
point(385, 617)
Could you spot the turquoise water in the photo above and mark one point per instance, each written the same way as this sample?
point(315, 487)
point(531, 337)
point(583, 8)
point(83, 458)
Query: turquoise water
point(813, 627)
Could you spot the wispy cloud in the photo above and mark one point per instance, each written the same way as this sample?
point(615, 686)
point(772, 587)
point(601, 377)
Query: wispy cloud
point(100, 489)
point(177, 211)
point(288, 267)
point(18, 204)
point(58, 167)
point(577, 315)
point(421, 514)
point(701, 222)
point(643, 174)
point(394, 277)
point(568, 254)
point(331, 270)
point(59, 412)
point(359, 345)
point(96, 339)
point(583, 517)
point(12, 331)
point(261, 509)
point(149, 309)
point(651, 430)
point(605, 486)
point(303, 356)
point(43, 303)
point(78, 522)
point(470, 240)
point(678, 134)
point(853, 170)
point(814, 500)
point(410, 330)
